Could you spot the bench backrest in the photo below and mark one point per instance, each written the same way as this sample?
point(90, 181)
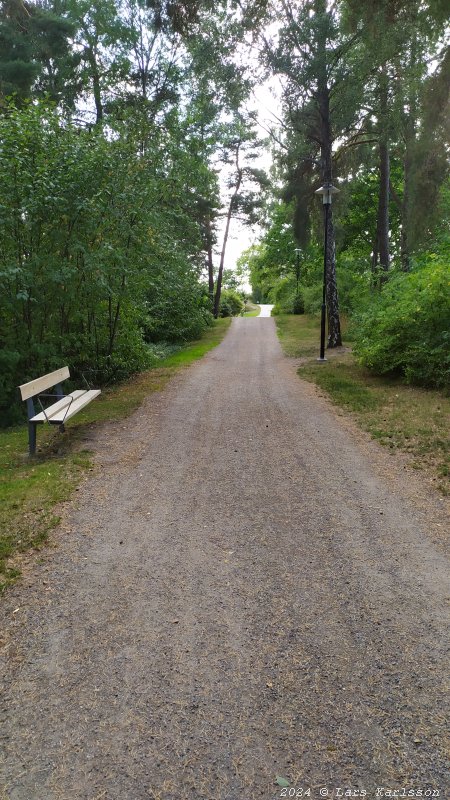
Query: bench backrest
point(32, 388)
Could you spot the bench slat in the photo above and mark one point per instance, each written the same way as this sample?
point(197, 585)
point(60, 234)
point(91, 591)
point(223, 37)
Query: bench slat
point(76, 406)
point(58, 406)
point(32, 388)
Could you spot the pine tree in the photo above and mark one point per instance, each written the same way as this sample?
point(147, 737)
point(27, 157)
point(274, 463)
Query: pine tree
point(33, 41)
point(312, 56)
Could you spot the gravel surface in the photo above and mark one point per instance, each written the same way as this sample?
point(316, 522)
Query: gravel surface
point(243, 589)
point(266, 310)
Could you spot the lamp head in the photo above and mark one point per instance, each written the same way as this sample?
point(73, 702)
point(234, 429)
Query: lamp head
point(327, 191)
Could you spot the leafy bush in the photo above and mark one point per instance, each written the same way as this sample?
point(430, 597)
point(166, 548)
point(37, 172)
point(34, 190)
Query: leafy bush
point(93, 265)
point(313, 298)
point(9, 361)
point(298, 305)
point(231, 303)
point(178, 309)
point(354, 281)
point(285, 297)
point(407, 329)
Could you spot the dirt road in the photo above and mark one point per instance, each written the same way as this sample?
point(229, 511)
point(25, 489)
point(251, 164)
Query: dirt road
point(266, 310)
point(237, 593)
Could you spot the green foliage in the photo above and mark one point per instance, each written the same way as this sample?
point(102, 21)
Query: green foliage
point(298, 304)
point(33, 40)
point(231, 303)
point(355, 282)
point(313, 298)
point(103, 232)
point(407, 329)
point(110, 198)
point(251, 310)
point(99, 250)
point(285, 297)
point(272, 264)
point(398, 416)
point(230, 280)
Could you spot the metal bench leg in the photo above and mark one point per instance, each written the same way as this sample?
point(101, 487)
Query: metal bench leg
point(32, 437)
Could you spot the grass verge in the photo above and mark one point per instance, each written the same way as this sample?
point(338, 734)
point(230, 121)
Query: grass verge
point(30, 488)
point(400, 417)
point(252, 310)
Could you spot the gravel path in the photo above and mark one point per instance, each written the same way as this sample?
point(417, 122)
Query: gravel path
point(266, 310)
point(237, 593)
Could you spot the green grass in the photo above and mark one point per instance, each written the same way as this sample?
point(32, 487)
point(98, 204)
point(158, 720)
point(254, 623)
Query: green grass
point(298, 334)
point(30, 488)
point(211, 338)
point(253, 310)
point(400, 417)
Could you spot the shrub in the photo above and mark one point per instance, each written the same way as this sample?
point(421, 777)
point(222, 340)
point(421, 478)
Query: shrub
point(231, 303)
point(285, 297)
point(313, 298)
point(9, 395)
point(407, 329)
point(354, 281)
point(298, 304)
point(93, 267)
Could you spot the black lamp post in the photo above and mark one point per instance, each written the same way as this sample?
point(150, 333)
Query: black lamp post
point(327, 191)
point(297, 267)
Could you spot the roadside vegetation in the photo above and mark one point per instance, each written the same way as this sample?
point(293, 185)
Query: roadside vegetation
point(401, 417)
point(30, 488)
point(118, 163)
point(366, 113)
point(128, 150)
point(252, 310)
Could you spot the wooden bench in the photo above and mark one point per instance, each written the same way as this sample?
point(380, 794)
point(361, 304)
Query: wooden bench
point(66, 406)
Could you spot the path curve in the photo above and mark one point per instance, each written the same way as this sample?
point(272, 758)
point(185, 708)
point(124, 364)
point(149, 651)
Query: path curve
point(236, 594)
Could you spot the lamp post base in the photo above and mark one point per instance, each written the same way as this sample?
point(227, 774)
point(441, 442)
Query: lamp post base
point(321, 360)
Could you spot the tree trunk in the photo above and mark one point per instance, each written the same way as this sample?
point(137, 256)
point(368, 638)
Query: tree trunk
point(239, 175)
point(407, 170)
point(410, 134)
point(334, 325)
point(326, 145)
point(209, 251)
point(384, 172)
point(383, 207)
point(95, 84)
point(222, 254)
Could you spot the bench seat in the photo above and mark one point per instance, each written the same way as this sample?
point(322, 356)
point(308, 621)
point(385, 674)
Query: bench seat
point(64, 409)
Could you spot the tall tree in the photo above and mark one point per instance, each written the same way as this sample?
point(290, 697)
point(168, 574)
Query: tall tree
point(219, 87)
point(395, 67)
point(319, 88)
point(34, 40)
point(240, 148)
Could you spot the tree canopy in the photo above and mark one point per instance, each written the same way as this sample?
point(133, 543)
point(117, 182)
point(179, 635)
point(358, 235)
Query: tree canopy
point(128, 149)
